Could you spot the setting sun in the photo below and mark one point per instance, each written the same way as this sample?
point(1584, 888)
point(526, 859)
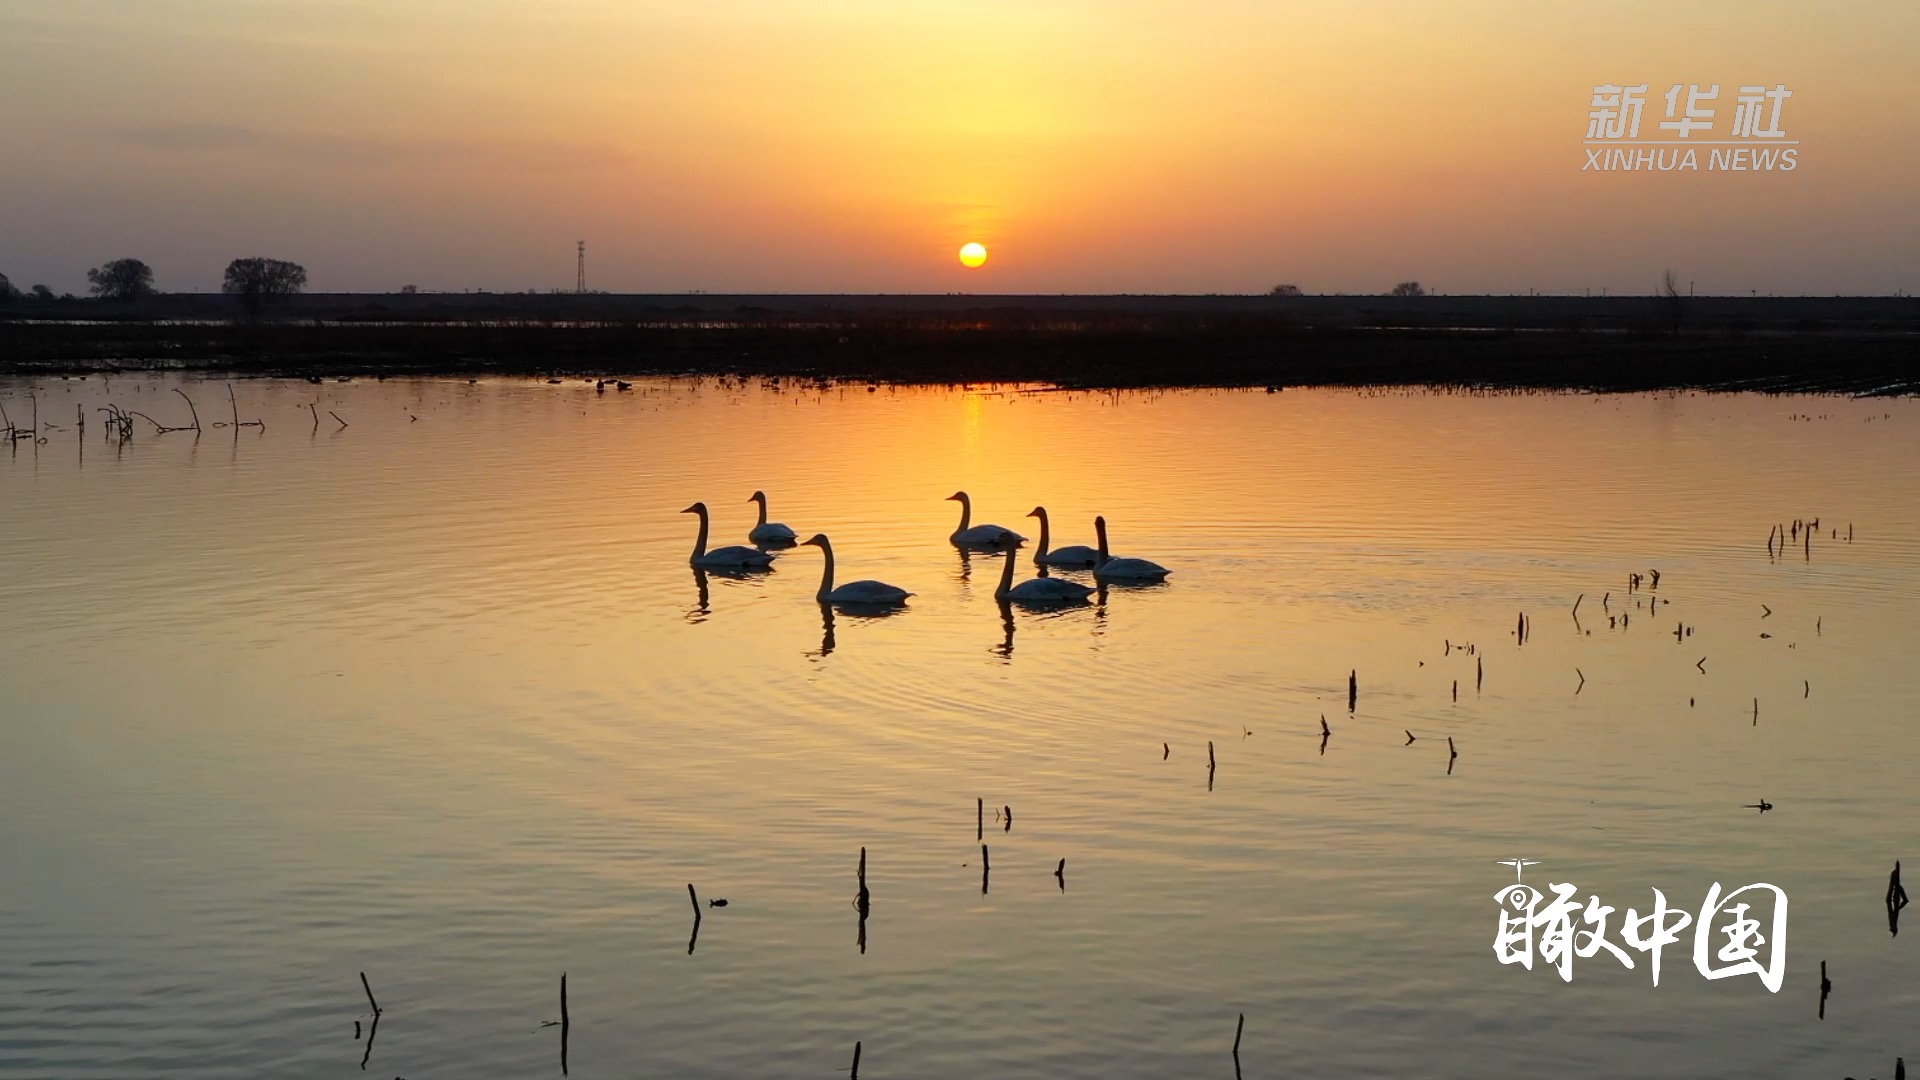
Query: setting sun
point(973, 254)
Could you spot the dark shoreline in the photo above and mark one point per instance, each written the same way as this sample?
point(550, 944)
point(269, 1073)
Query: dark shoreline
point(1859, 346)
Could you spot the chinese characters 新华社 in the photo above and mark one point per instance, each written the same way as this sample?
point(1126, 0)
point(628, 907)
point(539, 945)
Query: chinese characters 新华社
point(1616, 109)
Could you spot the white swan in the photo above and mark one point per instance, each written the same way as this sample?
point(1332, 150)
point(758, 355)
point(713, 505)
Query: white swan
point(853, 592)
point(1040, 590)
point(980, 535)
point(735, 555)
point(768, 532)
point(1076, 555)
point(1112, 569)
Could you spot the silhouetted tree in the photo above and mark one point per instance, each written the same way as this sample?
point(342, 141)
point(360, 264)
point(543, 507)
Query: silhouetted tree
point(1408, 288)
point(258, 282)
point(8, 294)
point(1285, 290)
point(1672, 301)
point(121, 279)
point(41, 292)
point(409, 290)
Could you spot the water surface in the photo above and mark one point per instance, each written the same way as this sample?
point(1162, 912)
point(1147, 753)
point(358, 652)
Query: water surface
point(435, 696)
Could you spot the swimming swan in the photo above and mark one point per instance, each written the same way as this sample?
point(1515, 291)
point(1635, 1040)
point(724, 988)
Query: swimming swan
point(1076, 555)
point(980, 535)
point(1040, 590)
point(768, 532)
point(853, 592)
point(734, 555)
point(1112, 569)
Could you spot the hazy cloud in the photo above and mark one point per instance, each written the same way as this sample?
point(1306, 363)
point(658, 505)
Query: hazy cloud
point(359, 151)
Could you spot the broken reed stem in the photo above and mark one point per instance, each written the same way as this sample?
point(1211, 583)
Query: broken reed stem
point(315, 409)
point(1209, 753)
point(336, 416)
point(1353, 688)
point(1242, 1026)
point(979, 819)
point(368, 987)
point(195, 413)
point(985, 863)
point(855, 1074)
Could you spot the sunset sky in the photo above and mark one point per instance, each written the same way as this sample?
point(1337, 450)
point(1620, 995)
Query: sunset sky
point(854, 145)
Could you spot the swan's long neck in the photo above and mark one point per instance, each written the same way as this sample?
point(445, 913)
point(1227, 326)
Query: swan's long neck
point(1006, 577)
point(1100, 530)
point(826, 573)
point(762, 500)
point(966, 512)
point(700, 542)
point(1040, 552)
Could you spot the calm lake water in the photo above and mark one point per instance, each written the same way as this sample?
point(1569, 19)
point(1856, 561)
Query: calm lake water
point(435, 696)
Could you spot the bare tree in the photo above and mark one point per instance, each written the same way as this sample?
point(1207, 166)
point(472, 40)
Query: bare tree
point(8, 294)
point(1672, 300)
point(121, 279)
point(1285, 290)
point(258, 282)
point(1408, 288)
point(41, 292)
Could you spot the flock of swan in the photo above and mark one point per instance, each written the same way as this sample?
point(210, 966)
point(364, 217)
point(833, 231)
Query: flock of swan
point(767, 536)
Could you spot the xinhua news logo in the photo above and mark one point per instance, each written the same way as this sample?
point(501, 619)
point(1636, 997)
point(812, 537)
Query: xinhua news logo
point(1753, 142)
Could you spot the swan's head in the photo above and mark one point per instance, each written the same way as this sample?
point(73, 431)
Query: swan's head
point(1039, 512)
point(958, 496)
point(758, 496)
point(1100, 525)
point(817, 540)
point(696, 508)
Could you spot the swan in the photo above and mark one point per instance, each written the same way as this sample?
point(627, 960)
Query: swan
point(1112, 569)
point(734, 556)
point(768, 532)
point(853, 592)
point(1079, 555)
point(1040, 590)
point(980, 535)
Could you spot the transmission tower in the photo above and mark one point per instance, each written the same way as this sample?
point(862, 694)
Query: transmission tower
point(580, 270)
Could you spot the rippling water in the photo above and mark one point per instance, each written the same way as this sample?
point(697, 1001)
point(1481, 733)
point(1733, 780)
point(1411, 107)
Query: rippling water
point(435, 696)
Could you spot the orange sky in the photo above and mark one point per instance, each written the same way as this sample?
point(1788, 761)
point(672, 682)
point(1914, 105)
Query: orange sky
point(853, 145)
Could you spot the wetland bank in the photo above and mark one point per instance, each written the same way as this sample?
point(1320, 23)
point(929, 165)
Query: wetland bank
point(1845, 345)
